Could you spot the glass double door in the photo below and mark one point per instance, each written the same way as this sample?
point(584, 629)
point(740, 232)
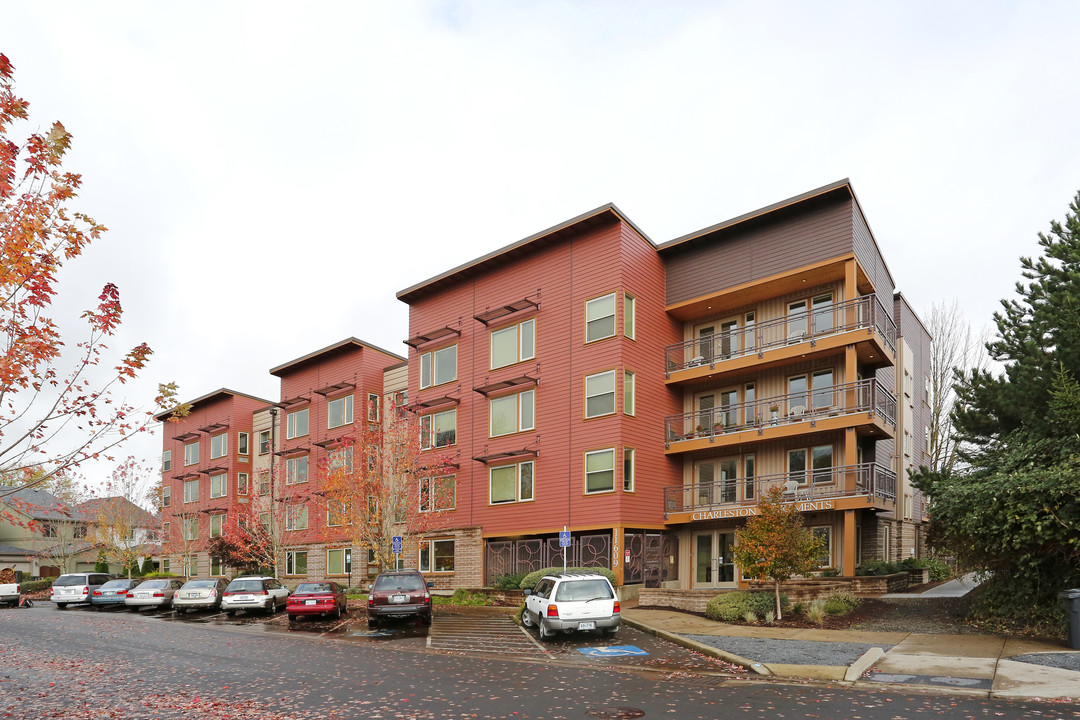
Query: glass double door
point(713, 564)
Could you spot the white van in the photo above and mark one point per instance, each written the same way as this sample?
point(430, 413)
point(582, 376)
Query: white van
point(76, 587)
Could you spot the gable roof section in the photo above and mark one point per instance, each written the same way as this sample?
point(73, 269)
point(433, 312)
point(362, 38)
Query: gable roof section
point(38, 504)
point(330, 350)
point(94, 508)
point(205, 399)
point(521, 247)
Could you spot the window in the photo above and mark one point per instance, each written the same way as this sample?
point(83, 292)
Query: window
point(297, 424)
point(600, 394)
point(264, 520)
point(822, 460)
point(796, 464)
point(296, 562)
point(372, 407)
point(438, 493)
point(165, 565)
point(296, 517)
point(166, 461)
point(340, 460)
point(511, 483)
point(926, 438)
point(436, 556)
point(438, 367)
point(243, 443)
point(217, 569)
point(600, 471)
point(166, 529)
point(191, 453)
point(628, 393)
point(241, 483)
point(191, 528)
point(191, 490)
point(219, 445)
point(401, 402)
point(296, 470)
point(629, 320)
point(438, 430)
point(217, 525)
point(339, 412)
point(336, 513)
point(166, 496)
point(191, 565)
point(219, 485)
point(513, 413)
point(264, 482)
point(628, 470)
point(822, 314)
point(926, 390)
point(886, 543)
point(600, 318)
point(264, 442)
point(513, 344)
point(339, 561)
point(825, 533)
point(749, 463)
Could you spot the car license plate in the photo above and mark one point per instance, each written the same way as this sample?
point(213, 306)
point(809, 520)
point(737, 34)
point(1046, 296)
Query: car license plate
point(399, 598)
point(586, 626)
point(310, 602)
point(191, 595)
point(142, 595)
point(244, 598)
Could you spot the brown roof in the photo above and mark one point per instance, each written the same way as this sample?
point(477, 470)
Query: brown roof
point(165, 414)
point(345, 344)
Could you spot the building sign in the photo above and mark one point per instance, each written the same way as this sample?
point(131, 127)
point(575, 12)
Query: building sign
point(723, 513)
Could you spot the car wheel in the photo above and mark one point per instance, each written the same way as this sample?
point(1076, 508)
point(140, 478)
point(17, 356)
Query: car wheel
point(134, 608)
point(61, 606)
point(292, 618)
point(99, 608)
point(372, 622)
point(426, 618)
point(230, 613)
point(526, 619)
point(337, 613)
point(180, 610)
point(609, 632)
point(546, 633)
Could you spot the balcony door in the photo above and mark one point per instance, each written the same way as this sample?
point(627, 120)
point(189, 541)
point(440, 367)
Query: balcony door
point(714, 566)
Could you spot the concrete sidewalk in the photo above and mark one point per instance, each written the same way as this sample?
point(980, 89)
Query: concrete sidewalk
point(967, 664)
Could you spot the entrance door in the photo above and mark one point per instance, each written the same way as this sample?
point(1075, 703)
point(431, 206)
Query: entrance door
point(713, 564)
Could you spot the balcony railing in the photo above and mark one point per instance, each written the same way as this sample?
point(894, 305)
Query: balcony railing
point(864, 396)
point(870, 479)
point(862, 313)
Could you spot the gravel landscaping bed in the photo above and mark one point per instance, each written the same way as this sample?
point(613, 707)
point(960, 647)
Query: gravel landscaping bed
point(1065, 661)
point(789, 652)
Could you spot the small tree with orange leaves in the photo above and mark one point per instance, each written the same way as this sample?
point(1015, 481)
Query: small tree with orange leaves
point(775, 545)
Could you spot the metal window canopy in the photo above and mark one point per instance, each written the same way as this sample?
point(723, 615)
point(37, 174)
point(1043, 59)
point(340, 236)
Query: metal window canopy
point(433, 402)
point(186, 475)
point(213, 427)
point(186, 436)
point(214, 510)
point(293, 401)
point(214, 470)
point(329, 442)
point(298, 450)
point(336, 387)
point(423, 338)
point(491, 316)
point(490, 388)
point(524, 452)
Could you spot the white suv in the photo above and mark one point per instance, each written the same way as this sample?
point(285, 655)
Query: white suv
point(565, 602)
point(254, 592)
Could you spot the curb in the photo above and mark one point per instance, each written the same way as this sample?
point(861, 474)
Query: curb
point(863, 664)
point(750, 665)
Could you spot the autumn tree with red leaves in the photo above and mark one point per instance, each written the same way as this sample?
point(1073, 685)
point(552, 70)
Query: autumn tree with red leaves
point(55, 411)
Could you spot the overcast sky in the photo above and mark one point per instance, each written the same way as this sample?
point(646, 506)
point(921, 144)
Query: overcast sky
point(273, 173)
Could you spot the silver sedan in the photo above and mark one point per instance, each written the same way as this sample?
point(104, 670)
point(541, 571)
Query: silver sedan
point(199, 595)
point(158, 592)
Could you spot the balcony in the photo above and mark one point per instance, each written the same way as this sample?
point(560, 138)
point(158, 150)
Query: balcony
point(830, 488)
point(862, 322)
point(864, 405)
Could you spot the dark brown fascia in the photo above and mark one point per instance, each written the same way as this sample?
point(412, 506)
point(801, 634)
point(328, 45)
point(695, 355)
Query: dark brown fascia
point(350, 342)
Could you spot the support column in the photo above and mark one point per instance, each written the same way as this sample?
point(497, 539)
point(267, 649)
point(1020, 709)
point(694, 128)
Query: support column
point(849, 543)
point(618, 541)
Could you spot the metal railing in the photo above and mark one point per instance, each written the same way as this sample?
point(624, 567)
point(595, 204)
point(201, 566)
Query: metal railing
point(862, 313)
point(864, 396)
point(870, 479)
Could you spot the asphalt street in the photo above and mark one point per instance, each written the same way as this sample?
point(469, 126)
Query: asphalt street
point(79, 663)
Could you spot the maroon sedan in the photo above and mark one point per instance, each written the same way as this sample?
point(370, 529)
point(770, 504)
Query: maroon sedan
point(317, 598)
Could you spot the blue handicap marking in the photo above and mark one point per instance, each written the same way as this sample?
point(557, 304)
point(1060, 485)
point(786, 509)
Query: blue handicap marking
point(612, 651)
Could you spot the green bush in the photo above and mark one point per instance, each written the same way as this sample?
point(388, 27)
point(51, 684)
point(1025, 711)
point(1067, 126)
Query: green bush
point(939, 569)
point(877, 567)
point(31, 586)
point(462, 596)
point(841, 603)
point(830, 572)
point(530, 580)
point(510, 581)
point(733, 606)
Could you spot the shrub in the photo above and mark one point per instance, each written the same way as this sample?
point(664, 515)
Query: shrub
point(770, 617)
point(815, 613)
point(841, 603)
point(733, 606)
point(510, 581)
point(877, 567)
point(462, 596)
point(830, 572)
point(939, 569)
point(530, 580)
point(31, 586)
point(750, 617)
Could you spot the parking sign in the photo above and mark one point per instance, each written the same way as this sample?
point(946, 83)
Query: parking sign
point(396, 544)
point(564, 538)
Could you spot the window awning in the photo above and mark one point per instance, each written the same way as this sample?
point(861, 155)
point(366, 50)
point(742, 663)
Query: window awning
point(524, 452)
point(434, 402)
point(330, 441)
point(486, 390)
point(186, 436)
point(186, 475)
point(491, 316)
point(293, 401)
point(214, 470)
point(214, 427)
point(330, 389)
point(417, 340)
point(299, 450)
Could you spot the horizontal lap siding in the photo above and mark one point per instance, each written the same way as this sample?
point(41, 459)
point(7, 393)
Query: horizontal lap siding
point(764, 248)
point(869, 257)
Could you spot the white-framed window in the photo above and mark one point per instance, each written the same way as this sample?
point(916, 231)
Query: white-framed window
point(600, 471)
point(600, 318)
point(219, 485)
point(264, 482)
point(824, 532)
point(191, 528)
point(438, 367)
point(217, 525)
point(166, 496)
point(296, 424)
point(886, 543)
point(628, 469)
point(296, 470)
point(438, 493)
point(296, 517)
point(217, 568)
point(264, 520)
point(926, 438)
point(242, 483)
point(438, 430)
point(511, 483)
point(165, 565)
point(166, 461)
point(513, 344)
point(191, 490)
point(264, 442)
point(512, 413)
point(166, 528)
point(191, 565)
point(436, 555)
point(191, 453)
point(336, 513)
point(243, 443)
point(373, 402)
point(339, 411)
point(600, 394)
point(628, 390)
point(219, 445)
point(339, 460)
point(339, 561)
point(296, 562)
point(629, 315)
point(926, 391)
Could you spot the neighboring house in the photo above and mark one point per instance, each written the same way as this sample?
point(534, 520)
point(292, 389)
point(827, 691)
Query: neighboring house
point(51, 532)
point(123, 529)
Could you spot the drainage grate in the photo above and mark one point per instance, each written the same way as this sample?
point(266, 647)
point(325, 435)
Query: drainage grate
point(698, 680)
point(616, 713)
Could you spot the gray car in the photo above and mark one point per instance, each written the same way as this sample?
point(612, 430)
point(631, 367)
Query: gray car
point(72, 588)
point(158, 592)
point(200, 594)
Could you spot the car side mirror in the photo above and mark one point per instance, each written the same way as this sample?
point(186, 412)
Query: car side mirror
point(527, 591)
point(431, 584)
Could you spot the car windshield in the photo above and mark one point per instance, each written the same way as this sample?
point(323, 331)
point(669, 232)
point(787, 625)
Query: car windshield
point(113, 584)
point(69, 580)
point(399, 582)
point(154, 584)
point(245, 586)
point(192, 584)
point(583, 591)
point(313, 588)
